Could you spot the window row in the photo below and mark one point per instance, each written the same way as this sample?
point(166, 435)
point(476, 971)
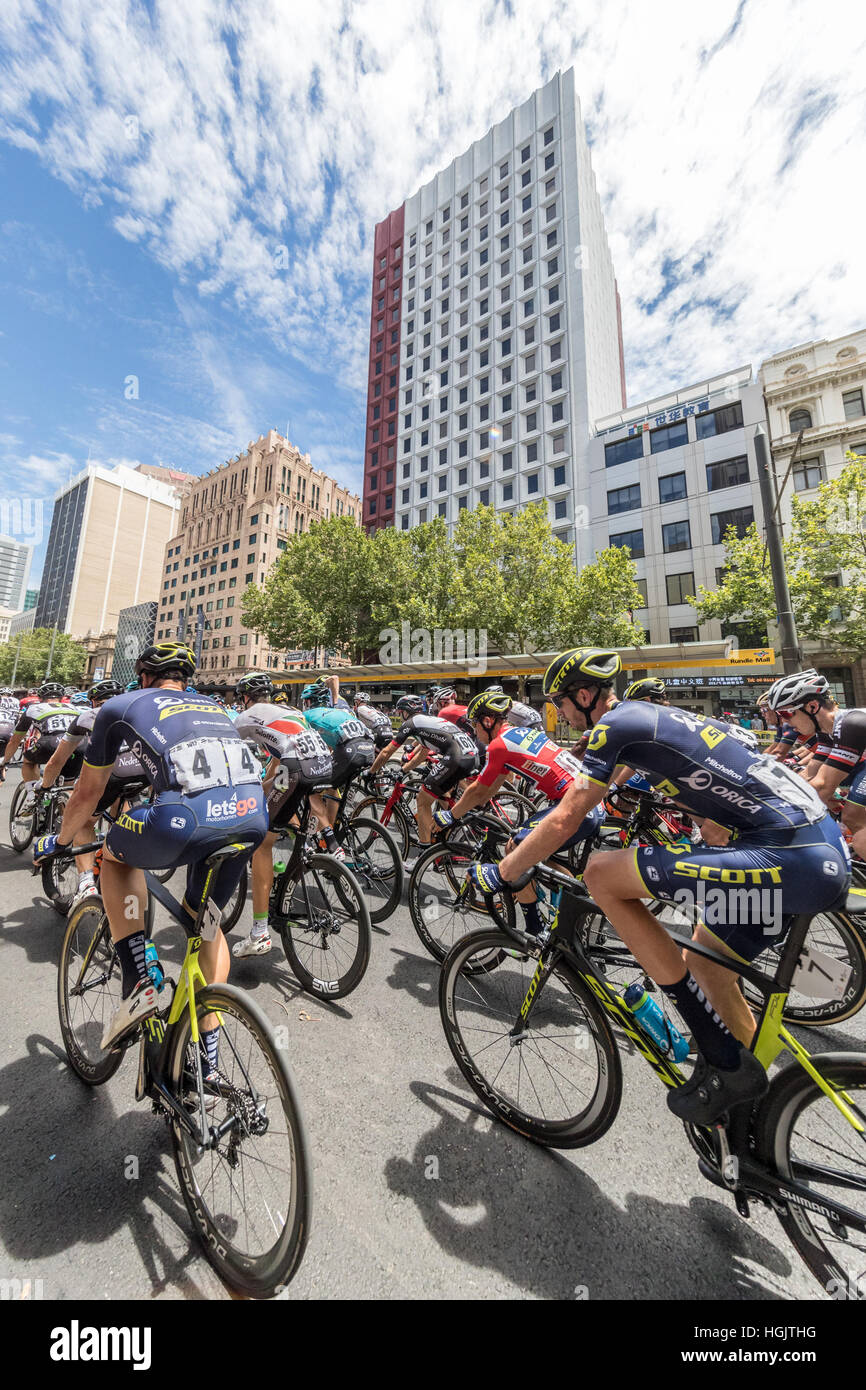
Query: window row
point(674, 434)
point(672, 486)
point(676, 535)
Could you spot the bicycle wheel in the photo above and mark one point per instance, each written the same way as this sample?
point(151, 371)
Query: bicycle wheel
point(836, 934)
point(324, 925)
point(444, 908)
point(162, 875)
point(557, 1078)
point(88, 992)
point(22, 825)
point(250, 1195)
point(511, 808)
point(374, 859)
point(60, 882)
point(236, 903)
point(802, 1135)
point(397, 824)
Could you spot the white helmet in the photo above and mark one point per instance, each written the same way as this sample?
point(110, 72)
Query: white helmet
point(793, 692)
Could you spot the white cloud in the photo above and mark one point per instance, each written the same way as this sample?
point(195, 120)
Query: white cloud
point(214, 133)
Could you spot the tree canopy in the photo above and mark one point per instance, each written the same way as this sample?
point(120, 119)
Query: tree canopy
point(67, 666)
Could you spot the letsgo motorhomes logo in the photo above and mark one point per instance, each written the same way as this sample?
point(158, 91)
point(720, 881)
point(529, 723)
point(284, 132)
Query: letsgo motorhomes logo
point(245, 807)
point(77, 1343)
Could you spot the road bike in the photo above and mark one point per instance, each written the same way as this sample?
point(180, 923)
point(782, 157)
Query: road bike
point(238, 1138)
point(531, 1028)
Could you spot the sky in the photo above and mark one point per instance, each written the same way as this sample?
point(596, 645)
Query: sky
point(188, 194)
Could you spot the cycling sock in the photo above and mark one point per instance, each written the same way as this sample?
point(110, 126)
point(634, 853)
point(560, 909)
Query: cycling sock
point(85, 877)
point(130, 953)
point(327, 834)
point(719, 1046)
point(260, 926)
point(534, 923)
point(210, 1041)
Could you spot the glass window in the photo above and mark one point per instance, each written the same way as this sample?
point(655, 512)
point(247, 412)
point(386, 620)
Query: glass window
point(672, 487)
point(799, 420)
point(683, 634)
point(633, 540)
point(641, 585)
point(727, 417)
point(484, 497)
point(507, 491)
point(727, 473)
point(622, 450)
point(560, 509)
point(619, 499)
point(559, 475)
point(532, 483)
point(669, 437)
point(808, 473)
point(852, 402)
point(740, 518)
point(676, 536)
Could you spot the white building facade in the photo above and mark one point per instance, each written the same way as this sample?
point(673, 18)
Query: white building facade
point(15, 558)
point(495, 329)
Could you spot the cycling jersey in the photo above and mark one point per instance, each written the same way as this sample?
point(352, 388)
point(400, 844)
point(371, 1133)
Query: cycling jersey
point(524, 716)
point(43, 724)
point(847, 752)
point(788, 734)
point(532, 754)
point(438, 736)
point(743, 736)
point(695, 761)
point(272, 727)
point(374, 719)
point(127, 767)
point(347, 737)
point(456, 714)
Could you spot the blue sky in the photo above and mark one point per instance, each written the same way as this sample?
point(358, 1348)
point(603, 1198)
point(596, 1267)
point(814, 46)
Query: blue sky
point(187, 195)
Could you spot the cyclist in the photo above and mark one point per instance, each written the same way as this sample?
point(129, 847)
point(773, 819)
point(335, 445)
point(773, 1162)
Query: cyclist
point(350, 744)
point(839, 753)
point(379, 724)
point(520, 715)
point(41, 725)
point(206, 789)
point(127, 776)
point(784, 839)
point(531, 754)
point(284, 735)
point(457, 752)
point(650, 688)
point(9, 712)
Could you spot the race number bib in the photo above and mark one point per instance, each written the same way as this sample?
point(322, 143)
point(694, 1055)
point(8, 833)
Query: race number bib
point(465, 744)
point(353, 728)
point(785, 784)
point(200, 764)
point(55, 724)
point(243, 766)
point(311, 745)
point(568, 763)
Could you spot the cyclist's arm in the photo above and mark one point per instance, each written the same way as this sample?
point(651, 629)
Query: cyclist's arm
point(827, 780)
point(476, 794)
point(333, 684)
point(418, 757)
point(622, 774)
point(91, 783)
point(11, 748)
point(382, 757)
point(57, 762)
point(554, 830)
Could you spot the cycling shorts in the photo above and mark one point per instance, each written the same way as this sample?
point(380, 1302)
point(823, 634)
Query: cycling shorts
point(46, 747)
point(747, 893)
point(381, 738)
point(448, 772)
point(588, 826)
point(857, 785)
point(178, 829)
point(350, 758)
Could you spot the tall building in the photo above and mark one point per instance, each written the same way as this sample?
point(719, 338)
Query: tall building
point(15, 560)
point(234, 523)
point(495, 335)
point(135, 629)
point(31, 598)
point(105, 551)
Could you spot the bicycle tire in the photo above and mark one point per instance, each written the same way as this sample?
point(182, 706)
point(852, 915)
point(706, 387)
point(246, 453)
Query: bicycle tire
point(26, 824)
point(397, 824)
point(821, 1012)
point(53, 869)
point(292, 896)
point(86, 922)
point(425, 907)
point(791, 1091)
point(516, 807)
point(357, 837)
point(571, 1132)
point(237, 902)
point(267, 1273)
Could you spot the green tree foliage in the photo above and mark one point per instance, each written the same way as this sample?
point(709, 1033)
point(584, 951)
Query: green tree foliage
point(826, 539)
point(67, 666)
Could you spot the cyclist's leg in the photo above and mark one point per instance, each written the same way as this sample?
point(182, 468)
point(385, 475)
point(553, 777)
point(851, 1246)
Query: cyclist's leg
point(721, 986)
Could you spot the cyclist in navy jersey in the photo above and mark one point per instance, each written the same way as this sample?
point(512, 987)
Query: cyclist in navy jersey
point(783, 840)
point(206, 789)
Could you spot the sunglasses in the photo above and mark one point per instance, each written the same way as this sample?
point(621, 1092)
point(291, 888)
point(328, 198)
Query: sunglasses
point(556, 700)
point(787, 713)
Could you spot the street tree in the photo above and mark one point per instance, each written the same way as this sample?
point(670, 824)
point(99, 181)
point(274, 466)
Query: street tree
point(68, 662)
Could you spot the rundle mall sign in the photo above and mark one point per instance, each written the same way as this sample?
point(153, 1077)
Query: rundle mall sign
point(756, 656)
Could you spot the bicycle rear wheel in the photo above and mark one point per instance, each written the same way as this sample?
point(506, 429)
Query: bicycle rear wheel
point(324, 924)
point(803, 1136)
point(555, 1078)
point(250, 1195)
point(397, 824)
point(836, 934)
point(236, 903)
point(375, 861)
point(88, 992)
point(22, 825)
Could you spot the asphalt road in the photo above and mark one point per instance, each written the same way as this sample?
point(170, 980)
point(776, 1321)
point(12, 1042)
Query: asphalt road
point(492, 1217)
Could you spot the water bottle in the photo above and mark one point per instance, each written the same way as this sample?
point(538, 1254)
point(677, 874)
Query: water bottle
point(280, 864)
point(154, 969)
point(654, 1022)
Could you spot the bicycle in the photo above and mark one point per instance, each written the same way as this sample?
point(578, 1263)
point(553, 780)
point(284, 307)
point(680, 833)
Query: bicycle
point(508, 1004)
point(372, 855)
point(25, 823)
point(238, 1140)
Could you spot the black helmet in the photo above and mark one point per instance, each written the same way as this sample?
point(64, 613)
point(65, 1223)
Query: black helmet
point(490, 701)
point(409, 704)
point(165, 659)
point(580, 666)
point(256, 683)
point(281, 698)
point(650, 688)
point(51, 690)
point(105, 690)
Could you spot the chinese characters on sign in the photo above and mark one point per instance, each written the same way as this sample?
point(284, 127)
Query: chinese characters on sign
point(667, 417)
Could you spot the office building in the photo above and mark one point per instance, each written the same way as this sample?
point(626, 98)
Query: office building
point(15, 558)
point(135, 631)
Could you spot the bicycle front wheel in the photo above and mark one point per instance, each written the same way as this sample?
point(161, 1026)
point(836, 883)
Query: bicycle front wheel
point(22, 824)
point(249, 1194)
point(804, 1137)
point(442, 904)
point(324, 925)
point(550, 1071)
point(89, 990)
point(375, 861)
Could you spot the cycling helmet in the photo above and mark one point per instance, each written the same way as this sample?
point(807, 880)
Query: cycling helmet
point(166, 659)
point(79, 697)
point(794, 692)
point(493, 689)
point(106, 690)
point(256, 683)
point(409, 705)
point(358, 697)
point(4, 690)
point(133, 685)
point(441, 695)
point(315, 695)
point(281, 698)
point(650, 688)
point(581, 667)
point(51, 690)
point(489, 702)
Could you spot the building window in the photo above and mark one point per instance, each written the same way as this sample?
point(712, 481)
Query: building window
point(727, 473)
point(633, 540)
point(727, 417)
point(484, 497)
point(507, 491)
point(531, 453)
point(622, 450)
point(559, 475)
point(676, 536)
point(548, 136)
point(799, 420)
point(740, 518)
point(560, 509)
point(683, 634)
point(532, 483)
point(852, 402)
point(641, 585)
point(619, 499)
point(808, 473)
point(672, 487)
point(669, 437)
